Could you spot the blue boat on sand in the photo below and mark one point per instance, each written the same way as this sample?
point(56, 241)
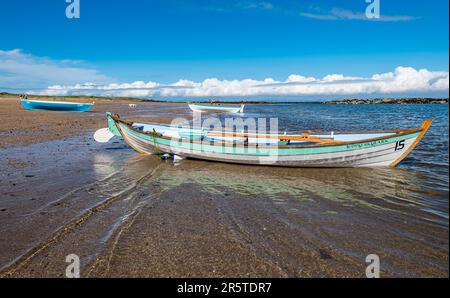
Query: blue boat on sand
point(64, 106)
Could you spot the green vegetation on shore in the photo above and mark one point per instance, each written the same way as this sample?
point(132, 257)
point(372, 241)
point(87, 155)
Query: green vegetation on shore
point(87, 97)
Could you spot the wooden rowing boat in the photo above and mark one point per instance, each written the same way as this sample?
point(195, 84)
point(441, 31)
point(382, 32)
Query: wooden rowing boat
point(312, 149)
point(203, 107)
point(65, 106)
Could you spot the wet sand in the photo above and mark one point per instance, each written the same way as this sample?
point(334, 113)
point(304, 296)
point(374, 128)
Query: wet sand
point(130, 215)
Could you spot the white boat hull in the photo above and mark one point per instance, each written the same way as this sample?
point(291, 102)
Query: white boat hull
point(386, 154)
point(216, 108)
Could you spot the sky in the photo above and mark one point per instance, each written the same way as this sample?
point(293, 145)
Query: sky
point(234, 49)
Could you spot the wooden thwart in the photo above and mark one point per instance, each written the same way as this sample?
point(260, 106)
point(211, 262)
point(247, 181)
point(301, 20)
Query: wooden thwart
point(302, 138)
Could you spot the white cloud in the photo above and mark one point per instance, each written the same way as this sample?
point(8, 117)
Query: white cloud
point(345, 14)
point(254, 5)
point(403, 80)
point(299, 79)
point(440, 84)
point(27, 71)
point(65, 77)
point(339, 77)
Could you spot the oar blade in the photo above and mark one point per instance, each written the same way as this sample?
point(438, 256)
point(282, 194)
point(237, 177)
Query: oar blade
point(103, 135)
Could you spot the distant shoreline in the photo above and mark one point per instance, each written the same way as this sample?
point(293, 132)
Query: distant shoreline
point(417, 100)
point(413, 100)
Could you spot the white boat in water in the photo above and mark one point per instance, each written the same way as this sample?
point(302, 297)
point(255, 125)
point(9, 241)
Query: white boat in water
point(203, 107)
point(307, 149)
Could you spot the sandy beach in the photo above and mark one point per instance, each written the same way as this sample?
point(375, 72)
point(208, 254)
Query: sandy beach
point(22, 127)
point(131, 215)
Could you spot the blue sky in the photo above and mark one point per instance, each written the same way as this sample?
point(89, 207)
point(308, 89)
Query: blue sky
point(166, 41)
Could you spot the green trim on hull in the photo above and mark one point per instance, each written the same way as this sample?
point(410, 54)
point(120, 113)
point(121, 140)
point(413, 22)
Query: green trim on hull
point(112, 125)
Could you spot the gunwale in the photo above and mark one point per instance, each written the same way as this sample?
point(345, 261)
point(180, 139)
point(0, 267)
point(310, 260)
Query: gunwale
point(310, 131)
point(228, 148)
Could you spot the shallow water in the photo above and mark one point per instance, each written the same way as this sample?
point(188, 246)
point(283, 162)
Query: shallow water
point(101, 200)
point(429, 158)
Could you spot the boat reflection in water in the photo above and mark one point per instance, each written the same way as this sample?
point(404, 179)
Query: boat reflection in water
point(351, 212)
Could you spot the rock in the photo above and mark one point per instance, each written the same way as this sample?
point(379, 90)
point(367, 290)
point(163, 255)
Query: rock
point(390, 101)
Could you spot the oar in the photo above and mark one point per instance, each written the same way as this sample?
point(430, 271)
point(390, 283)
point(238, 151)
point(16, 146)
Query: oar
point(103, 135)
point(304, 138)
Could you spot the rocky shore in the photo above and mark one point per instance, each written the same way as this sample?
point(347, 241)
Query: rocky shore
point(389, 101)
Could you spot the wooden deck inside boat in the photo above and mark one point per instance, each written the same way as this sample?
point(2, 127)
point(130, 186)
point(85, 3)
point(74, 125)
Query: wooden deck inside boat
point(397, 132)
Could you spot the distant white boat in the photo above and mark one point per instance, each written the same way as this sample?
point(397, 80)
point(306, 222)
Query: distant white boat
point(203, 107)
